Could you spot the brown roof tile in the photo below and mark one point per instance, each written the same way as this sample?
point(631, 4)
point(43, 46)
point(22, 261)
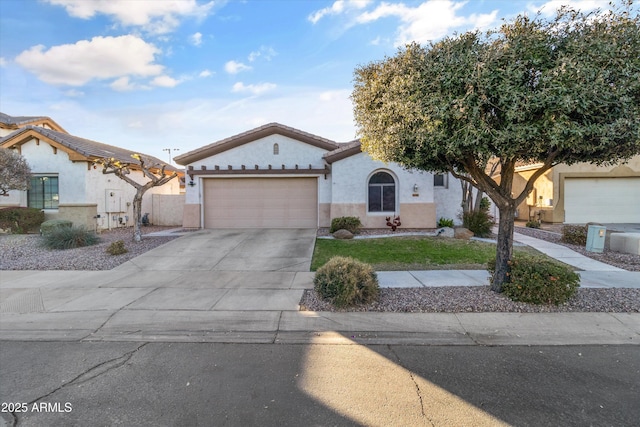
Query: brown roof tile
point(253, 135)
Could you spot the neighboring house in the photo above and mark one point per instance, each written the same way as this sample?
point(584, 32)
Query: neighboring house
point(9, 124)
point(277, 176)
point(67, 184)
point(582, 193)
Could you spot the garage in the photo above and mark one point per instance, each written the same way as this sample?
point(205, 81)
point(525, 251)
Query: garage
point(260, 202)
point(605, 200)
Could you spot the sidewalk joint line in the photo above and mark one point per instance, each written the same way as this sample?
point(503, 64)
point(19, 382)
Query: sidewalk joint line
point(466, 333)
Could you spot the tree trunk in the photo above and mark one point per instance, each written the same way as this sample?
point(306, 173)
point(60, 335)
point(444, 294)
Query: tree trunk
point(467, 196)
point(137, 217)
point(504, 251)
point(479, 195)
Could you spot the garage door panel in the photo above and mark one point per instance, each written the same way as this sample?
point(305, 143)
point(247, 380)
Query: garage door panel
point(614, 200)
point(260, 203)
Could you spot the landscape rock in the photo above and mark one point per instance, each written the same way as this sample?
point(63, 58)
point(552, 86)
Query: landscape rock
point(445, 232)
point(462, 233)
point(343, 234)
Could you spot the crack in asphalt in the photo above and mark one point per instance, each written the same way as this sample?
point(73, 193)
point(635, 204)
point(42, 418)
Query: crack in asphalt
point(89, 374)
point(415, 383)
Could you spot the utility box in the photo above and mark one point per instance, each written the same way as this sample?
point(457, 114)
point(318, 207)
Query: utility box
point(596, 235)
point(113, 201)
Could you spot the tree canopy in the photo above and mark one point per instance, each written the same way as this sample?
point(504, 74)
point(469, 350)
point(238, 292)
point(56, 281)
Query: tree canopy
point(14, 172)
point(564, 90)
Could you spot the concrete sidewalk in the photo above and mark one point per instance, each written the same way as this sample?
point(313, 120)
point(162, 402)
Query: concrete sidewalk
point(564, 254)
point(439, 278)
point(209, 299)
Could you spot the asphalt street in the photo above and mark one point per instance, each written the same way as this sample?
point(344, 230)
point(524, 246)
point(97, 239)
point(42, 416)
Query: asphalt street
point(215, 384)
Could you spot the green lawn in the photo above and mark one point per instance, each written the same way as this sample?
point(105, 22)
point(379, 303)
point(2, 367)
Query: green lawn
point(408, 253)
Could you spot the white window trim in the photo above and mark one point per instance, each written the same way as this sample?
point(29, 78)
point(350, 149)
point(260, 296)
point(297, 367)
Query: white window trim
point(396, 194)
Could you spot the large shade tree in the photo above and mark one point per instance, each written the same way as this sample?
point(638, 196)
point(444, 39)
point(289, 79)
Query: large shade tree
point(15, 173)
point(155, 175)
point(563, 90)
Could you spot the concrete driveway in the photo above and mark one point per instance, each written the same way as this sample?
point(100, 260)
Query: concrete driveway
point(237, 250)
point(205, 280)
point(224, 270)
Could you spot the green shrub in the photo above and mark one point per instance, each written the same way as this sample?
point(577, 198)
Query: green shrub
point(538, 280)
point(117, 248)
point(346, 281)
point(533, 223)
point(445, 222)
point(69, 238)
point(54, 224)
point(21, 220)
point(480, 222)
point(485, 204)
point(574, 234)
point(350, 223)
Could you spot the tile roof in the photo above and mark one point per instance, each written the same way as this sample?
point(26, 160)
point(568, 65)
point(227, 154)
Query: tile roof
point(253, 135)
point(16, 122)
point(86, 147)
point(345, 150)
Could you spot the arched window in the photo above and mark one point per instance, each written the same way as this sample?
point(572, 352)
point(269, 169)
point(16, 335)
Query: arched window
point(382, 193)
point(276, 149)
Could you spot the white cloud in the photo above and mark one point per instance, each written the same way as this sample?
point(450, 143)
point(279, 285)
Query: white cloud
point(3, 62)
point(157, 17)
point(205, 73)
point(265, 52)
point(123, 85)
point(233, 67)
point(550, 7)
point(338, 7)
point(196, 39)
point(73, 93)
point(428, 21)
point(165, 81)
point(335, 95)
point(253, 89)
point(99, 58)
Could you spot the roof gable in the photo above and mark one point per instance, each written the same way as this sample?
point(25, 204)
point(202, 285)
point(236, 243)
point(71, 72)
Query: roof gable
point(78, 149)
point(17, 122)
point(254, 135)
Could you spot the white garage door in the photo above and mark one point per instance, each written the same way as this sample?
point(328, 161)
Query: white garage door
point(260, 203)
point(604, 200)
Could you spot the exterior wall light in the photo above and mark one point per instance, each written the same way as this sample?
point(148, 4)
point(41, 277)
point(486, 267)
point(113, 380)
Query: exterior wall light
point(191, 184)
point(415, 188)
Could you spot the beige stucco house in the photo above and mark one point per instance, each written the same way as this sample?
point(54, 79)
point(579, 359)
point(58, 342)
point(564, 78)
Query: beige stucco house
point(582, 193)
point(66, 184)
point(278, 176)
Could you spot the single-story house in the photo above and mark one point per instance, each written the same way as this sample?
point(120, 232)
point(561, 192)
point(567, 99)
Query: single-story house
point(66, 183)
point(582, 193)
point(278, 176)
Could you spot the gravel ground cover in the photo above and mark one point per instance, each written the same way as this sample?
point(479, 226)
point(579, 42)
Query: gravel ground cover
point(25, 251)
point(481, 299)
point(477, 299)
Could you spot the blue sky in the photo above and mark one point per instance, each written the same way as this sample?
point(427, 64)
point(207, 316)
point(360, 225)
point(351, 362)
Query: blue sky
point(149, 75)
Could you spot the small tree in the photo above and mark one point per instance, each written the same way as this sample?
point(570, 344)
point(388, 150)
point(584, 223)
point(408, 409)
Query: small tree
point(560, 91)
point(155, 172)
point(15, 173)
